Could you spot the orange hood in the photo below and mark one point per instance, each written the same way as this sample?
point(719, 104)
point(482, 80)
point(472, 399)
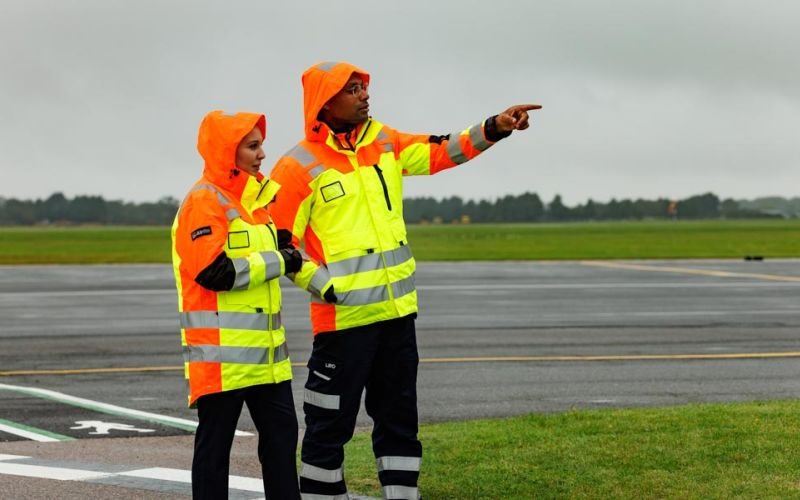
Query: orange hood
point(219, 136)
point(320, 83)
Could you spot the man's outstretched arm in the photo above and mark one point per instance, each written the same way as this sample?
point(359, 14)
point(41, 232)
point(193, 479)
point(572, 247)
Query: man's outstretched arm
point(429, 154)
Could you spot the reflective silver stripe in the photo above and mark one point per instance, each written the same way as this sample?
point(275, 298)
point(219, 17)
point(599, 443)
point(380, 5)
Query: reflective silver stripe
point(302, 155)
point(281, 353)
point(383, 136)
point(242, 279)
point(399, 463)
point(363, 296)
point(358, 264)
point(454, 150)
point(273, 263)
point(327, 401)
point(223, 200)
point(233, 320)
point(275, 320)
point(369, 262)
point(317, 496)
point(403, 287)
point(396, 492)
point(477, 139)
point(316, 171)
point(225, 354)
point(318, 280)
point(232, 213)
point(327, 65)
point(309, 471)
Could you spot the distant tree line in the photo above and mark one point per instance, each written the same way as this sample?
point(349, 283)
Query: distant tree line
point(57, 209)
point(527, 207)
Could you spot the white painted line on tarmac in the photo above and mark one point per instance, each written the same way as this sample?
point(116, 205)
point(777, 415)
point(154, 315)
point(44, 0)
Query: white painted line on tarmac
point(43, 472)
point(240, 483)
point(179, 423)
point(32, 433)
point(185, 476)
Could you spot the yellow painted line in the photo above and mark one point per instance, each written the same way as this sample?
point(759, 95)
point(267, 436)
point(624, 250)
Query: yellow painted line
point(478, 359)
point(689, 270)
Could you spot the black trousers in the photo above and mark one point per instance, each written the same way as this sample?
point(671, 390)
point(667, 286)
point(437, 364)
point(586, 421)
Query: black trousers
point(272, 409)
point(383, 359)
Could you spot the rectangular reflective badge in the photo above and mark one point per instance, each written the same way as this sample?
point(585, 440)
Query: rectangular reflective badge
point(332, 191)
point(238, 239)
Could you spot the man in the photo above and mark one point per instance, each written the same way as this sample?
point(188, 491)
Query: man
point(342, 196)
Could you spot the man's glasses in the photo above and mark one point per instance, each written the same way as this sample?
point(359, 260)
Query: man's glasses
point(356, 89)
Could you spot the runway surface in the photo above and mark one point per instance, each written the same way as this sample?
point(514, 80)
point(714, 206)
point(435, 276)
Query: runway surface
point(87, 349)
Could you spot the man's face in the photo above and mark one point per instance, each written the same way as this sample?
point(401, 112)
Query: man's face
point(350, 106)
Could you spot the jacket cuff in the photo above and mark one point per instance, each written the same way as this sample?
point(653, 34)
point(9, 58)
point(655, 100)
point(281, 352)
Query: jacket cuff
point(490, 130)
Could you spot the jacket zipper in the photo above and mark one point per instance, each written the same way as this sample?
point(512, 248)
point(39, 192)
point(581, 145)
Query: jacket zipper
point(269, 314)
point(269, 294)
point(385, 188)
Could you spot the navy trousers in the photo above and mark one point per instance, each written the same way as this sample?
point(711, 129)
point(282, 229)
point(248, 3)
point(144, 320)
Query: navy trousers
point(383, 359)
point(272, 409)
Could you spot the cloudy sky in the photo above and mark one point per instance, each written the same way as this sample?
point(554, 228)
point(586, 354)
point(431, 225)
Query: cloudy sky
point(658, 98)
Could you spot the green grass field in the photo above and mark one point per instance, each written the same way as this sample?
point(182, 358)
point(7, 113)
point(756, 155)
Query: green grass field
point(617, 240)
point(723, 451)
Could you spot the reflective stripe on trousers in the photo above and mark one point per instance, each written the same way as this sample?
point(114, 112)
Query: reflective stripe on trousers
point(397, 492)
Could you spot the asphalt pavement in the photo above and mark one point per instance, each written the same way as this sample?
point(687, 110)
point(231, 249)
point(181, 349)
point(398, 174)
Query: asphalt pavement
point(87, 349)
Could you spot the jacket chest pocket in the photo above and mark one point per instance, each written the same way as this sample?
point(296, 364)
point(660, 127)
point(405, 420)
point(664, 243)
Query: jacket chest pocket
point(244, 239)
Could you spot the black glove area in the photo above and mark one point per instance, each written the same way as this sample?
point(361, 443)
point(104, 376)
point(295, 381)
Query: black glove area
point(330, 296)
point(219, 275)
point(284, 238)
point(292, 259)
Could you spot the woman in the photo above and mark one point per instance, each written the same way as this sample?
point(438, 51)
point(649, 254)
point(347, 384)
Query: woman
point(227, 263)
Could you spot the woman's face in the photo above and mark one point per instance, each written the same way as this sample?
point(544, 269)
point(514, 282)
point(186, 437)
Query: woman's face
point(249, 153)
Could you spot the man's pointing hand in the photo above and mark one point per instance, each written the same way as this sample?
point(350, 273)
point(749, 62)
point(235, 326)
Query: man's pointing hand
point(515, 117)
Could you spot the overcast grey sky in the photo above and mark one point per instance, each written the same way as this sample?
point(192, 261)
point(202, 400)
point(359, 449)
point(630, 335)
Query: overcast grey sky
point(658, 98)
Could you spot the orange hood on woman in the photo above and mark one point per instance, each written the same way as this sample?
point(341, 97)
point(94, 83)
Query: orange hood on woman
point(217, 141)
point(320, 83)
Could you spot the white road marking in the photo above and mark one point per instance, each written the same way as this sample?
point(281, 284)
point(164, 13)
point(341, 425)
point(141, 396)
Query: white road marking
point(43, 472)
point(31, 433)
point(97, 406)
point(241, 483)
point(33, 436)
point(101, 427)
point(184, 476)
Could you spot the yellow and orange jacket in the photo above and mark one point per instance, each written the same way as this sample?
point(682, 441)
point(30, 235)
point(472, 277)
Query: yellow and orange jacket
point(226, 265)
point(342, 196)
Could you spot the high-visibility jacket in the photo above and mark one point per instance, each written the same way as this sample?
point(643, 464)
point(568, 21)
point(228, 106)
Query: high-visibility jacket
point(342, 195)
point(231, 339)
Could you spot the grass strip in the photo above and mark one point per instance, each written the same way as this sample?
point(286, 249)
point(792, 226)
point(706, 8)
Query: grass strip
point(607, 240)
point(732, 450)
point(575, 241)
